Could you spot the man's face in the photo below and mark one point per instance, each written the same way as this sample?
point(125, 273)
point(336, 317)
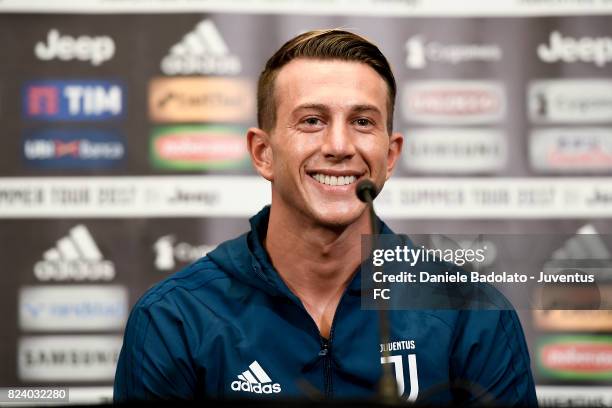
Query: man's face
point(330, 133)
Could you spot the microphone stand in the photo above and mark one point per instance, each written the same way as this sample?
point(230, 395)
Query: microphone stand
point(387, 387)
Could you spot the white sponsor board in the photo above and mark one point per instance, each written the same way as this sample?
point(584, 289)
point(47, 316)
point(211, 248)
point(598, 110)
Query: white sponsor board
point(75, 257)
point(168, 252)
point(499, 198)
point(63, 47)
point(454, 102)
point(420, 51)
point(146, 196)
point(570, 101)
point(343, 7)
point(78, 308)
point(201, 51)
point(402, 197)
point(455, 150)
point(574, 396)
point(68, 358)
point(571, 150)
point(569, 49)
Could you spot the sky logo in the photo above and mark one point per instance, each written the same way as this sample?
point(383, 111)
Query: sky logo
point(73, 100)
point(73, 149)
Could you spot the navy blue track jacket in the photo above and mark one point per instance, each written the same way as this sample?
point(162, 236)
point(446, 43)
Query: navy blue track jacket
point(228, 327)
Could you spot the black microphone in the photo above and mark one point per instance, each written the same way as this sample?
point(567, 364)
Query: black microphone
point(387, 388)
point(366, 190)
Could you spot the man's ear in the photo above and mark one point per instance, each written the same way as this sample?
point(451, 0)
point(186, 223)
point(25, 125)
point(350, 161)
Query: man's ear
point(258, 143)
point(396, 141)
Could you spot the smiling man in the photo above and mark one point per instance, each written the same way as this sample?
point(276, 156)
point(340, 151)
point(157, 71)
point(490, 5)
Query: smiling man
point(276, 312)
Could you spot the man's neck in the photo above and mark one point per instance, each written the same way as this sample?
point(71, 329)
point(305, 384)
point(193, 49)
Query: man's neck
point(316, 262)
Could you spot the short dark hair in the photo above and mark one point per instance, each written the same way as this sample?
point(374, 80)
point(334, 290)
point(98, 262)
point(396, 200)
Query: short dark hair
point(330, 44)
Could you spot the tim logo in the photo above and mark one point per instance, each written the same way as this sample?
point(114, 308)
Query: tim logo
point(73, 100)
point(398, 365)
point(66, 149)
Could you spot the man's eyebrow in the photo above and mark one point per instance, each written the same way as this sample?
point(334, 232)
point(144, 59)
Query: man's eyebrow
point(323, 107)
point(314, 106)
point(363, 108)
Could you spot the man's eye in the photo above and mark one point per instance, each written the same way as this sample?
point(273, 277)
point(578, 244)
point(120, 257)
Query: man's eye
point(312, 121)
point(362, 122)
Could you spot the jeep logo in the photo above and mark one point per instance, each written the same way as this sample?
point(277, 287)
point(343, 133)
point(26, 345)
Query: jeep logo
point(96, 50)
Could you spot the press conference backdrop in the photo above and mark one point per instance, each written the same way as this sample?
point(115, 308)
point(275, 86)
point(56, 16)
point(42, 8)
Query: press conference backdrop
point(123, 159)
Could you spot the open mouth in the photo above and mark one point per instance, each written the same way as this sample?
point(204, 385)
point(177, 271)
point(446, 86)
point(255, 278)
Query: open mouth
point(333, 180)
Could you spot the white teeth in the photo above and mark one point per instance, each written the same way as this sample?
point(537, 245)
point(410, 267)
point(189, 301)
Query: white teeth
point(334, 180)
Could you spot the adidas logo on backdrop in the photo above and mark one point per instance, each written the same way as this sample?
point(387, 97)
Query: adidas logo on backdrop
point(75, 257)
point(201, 51)
point(255, 380)
point(585, 244)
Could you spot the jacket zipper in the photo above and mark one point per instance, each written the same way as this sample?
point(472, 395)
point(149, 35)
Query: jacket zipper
point(325, 343)
point(327, 371)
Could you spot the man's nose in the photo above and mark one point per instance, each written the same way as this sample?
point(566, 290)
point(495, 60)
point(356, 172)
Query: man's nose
point(338, 143)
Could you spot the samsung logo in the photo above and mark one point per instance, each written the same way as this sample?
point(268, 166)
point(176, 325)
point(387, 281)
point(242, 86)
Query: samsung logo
point(68, 358)
point(455, 150)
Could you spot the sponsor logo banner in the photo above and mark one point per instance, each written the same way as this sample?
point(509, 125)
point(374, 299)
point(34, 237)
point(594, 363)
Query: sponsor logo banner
point(575, 320)
point(454, 102)
point(201, 51)
point(223, 196)
point(502, 198)
point(573, 396)
point(575, 358)
point(391, 8)
point(129, 197)
point(73, 100)
point(199, 147)
point(168, 252)
point(94, 50)
point(570, 101)
point(420, 51)
point(75, 257)
point(567, 150)
point(568, 49)
point(455, 150)
point(78, 308)
point(201, 100)
point(73, 149)
point(68, 358)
